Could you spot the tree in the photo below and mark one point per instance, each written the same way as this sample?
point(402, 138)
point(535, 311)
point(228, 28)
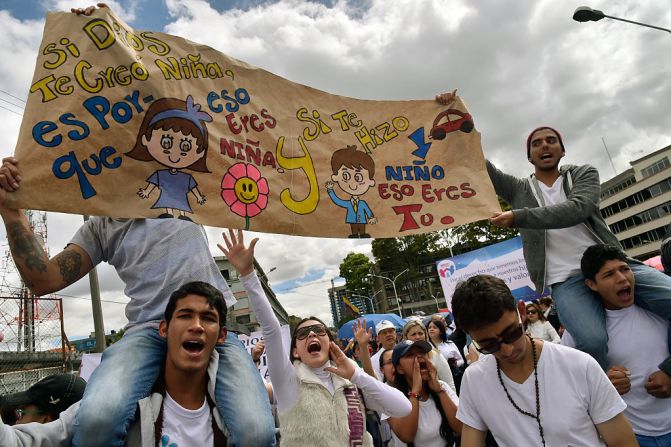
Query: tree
point(355, 269)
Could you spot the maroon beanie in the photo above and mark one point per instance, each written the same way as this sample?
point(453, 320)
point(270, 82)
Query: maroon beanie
point(561, 143)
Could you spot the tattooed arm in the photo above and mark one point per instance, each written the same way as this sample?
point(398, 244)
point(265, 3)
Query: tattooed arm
point(41, 274)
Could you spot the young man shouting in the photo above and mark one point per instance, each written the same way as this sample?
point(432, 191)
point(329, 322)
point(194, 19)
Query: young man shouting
point(529, 393)
point(181, 410)
point(637, 344)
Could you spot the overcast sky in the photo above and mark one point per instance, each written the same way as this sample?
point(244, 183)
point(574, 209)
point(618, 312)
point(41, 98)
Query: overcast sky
point(518, 64)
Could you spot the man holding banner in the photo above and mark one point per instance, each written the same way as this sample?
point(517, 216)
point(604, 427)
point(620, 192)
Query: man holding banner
point(557, 213)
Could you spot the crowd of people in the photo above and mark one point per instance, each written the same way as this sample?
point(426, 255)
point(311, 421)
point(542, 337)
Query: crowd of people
point(590, 368)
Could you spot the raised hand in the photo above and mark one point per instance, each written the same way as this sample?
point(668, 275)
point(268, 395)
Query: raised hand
point(362, 336)
point(344, 367)
point(87, 11)
point(447, 98)
point(257, 350)
point(503, 220)
point(237, 254)
point(434, 384)
point(416, 377)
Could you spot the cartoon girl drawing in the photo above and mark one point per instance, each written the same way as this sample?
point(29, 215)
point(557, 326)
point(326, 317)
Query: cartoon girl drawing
point(174, 134)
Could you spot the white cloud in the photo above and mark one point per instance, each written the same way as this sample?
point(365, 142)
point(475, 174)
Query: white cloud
point(518, 64)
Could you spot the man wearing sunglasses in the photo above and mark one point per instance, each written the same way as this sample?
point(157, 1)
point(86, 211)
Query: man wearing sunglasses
point(527, 392)
point(45, 400)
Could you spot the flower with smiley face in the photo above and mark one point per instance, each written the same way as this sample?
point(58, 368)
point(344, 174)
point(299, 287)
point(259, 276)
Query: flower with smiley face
point(245, 191)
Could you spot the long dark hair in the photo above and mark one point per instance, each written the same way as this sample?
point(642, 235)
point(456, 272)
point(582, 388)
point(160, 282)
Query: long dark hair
point(293, 335)
point(401, 384)
point(441, 327)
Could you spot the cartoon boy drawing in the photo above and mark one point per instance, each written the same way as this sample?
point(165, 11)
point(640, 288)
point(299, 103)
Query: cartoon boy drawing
point(174, 134)
point(353, 172)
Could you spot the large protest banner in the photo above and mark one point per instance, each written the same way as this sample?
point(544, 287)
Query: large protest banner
point(503, 260)
point(129, 123)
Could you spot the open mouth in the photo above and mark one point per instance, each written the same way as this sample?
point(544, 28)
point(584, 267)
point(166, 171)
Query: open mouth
point(422, 366)
point(193, 347)
point(314, 346)
point(546, 156)
point(624, 293)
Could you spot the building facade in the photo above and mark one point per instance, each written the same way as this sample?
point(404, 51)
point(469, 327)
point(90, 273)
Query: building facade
point(346, 306)
point(636, 204)
point(241, 318)
point(418, 291)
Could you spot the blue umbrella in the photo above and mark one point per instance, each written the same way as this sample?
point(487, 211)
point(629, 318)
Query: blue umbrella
point(346, 330)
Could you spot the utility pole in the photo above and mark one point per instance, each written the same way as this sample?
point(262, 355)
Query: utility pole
point(96, 305)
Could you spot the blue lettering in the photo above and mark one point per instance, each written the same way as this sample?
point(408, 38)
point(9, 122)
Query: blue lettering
point(393, 173)
point(98, 107)
point(211, 97)
point(68, 118)
point(73, 168)
point(44, 127)
point(417, 137)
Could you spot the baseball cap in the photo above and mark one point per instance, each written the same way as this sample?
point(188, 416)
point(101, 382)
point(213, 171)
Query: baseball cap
point(52, 394)
point(403, 347)
point(384, 324)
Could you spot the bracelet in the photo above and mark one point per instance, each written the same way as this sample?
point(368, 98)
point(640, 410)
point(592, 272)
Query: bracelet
point(413, 394)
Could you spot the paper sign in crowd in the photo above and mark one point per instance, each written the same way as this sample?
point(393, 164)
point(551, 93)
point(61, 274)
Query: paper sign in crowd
point(128, 123)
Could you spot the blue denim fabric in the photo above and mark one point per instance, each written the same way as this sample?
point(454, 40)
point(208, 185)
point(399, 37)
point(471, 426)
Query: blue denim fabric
point(582, 314)
point(127, 374)
point(242, 398)
point(654, 441)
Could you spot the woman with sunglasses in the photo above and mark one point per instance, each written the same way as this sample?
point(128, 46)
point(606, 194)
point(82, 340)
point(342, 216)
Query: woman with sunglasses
point(414, 330)
point(537, 326)
point(433, 420)
point(316, 386)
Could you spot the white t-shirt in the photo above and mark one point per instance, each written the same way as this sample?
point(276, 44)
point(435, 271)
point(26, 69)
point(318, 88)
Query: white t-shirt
point(543, 330)
point(564, 246)
point(640, 354)
point(153, 257)
point(451, 351)
point(575, 394)
point(186, 428)
point(428, 425)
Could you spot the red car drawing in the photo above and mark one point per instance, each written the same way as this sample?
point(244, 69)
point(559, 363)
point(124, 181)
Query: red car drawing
point(464, 123)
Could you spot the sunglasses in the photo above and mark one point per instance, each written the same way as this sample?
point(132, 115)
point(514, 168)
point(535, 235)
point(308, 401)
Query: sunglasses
point(509, 336)
point(303, 332)
point(20, 412)
point(531, 311)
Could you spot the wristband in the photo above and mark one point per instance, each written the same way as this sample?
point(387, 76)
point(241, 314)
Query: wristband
point(413, 394)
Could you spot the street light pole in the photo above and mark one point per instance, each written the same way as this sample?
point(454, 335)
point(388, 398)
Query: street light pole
point(587, 14)
point(393, 283)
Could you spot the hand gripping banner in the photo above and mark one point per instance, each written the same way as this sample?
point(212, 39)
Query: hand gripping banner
point(128, 123)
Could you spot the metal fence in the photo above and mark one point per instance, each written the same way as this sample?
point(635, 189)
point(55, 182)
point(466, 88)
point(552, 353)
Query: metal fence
point(32, 334)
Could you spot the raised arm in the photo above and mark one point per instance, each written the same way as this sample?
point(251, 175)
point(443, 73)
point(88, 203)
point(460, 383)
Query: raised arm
point(363, 339)
point(282, 374)
point(41, 274)
point(504, 184)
